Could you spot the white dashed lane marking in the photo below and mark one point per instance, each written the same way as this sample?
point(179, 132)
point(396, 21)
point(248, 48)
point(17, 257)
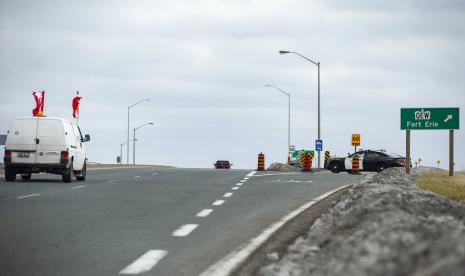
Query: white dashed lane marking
point(204, 213)
point(78, 187)
point(228, 194)
point(145, 262)
point(184, 230)
point(243, 181)
point(218, 202)
point(239, 184)
point(26, 196)
point(137, 176)
point(154, 173)
point(235, 188)
point(252, 173)
point(113, 180)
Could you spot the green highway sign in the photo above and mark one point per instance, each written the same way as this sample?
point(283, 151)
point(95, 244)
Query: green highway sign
point(424, 118)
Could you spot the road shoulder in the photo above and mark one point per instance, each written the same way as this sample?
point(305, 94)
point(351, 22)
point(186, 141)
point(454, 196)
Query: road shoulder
point(287, 234)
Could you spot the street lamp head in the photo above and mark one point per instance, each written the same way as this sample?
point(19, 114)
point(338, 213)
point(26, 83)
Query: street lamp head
point(284, 52)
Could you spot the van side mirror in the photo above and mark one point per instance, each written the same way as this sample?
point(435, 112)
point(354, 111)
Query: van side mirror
point(86, 138)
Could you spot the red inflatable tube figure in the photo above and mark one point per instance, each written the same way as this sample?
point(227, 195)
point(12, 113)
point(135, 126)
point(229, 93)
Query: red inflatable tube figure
point(76, 105)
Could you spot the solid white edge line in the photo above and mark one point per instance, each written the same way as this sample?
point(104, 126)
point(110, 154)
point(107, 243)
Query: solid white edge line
point(204, 213)
point(218, 202)
point(228, 194)
point(184, 230)
point(145, 262)
point(77, 187)
point(26, 196)
point(230, 262)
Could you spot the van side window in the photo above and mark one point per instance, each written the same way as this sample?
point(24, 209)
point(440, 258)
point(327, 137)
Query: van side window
point(77, 134)
point(70, 134)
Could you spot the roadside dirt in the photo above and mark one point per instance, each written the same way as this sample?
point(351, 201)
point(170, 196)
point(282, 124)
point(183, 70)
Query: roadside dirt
point(383, 225)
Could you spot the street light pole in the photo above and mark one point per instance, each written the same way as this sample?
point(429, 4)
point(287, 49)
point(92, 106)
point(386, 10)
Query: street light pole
point(288, 122)
point(319, 111)
point(127, 141)
point(121, 150)
point(134, 142)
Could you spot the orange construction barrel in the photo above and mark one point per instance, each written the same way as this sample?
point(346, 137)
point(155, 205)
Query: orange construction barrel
point(261, 162)
point(356, 164)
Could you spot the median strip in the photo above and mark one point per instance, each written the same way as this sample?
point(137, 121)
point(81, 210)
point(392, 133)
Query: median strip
point(145, 262)
point(184, 230)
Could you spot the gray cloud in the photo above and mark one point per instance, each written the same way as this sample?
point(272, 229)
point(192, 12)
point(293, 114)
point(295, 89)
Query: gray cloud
point(203, 64)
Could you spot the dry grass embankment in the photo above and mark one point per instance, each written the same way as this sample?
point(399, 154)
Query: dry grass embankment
point(441, 183)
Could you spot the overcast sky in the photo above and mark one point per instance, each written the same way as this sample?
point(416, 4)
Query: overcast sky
point(203, 64)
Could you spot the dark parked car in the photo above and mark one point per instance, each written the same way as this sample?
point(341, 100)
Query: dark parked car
point(370, 160)
point(222, 164)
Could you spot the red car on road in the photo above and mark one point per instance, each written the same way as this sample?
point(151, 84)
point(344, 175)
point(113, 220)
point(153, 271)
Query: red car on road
point(222, 164)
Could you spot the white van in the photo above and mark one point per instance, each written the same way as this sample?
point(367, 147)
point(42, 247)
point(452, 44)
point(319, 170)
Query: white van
point(45, 144)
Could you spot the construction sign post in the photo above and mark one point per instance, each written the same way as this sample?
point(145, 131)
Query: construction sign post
point(425, 118)
point(355, 140)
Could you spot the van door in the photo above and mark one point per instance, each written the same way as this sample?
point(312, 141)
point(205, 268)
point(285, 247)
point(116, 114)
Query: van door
point(70, 137)
point(51, 141)
point(80, 152)
point(21, 140)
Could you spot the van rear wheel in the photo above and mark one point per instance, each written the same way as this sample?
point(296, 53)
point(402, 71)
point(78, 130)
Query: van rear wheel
point(66, 177)
point(10, 175)
point(82, 173)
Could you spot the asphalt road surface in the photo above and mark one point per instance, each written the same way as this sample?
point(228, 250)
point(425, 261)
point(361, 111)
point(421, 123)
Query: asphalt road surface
point(144, 220)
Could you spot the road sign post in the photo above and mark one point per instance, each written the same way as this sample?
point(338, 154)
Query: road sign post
point(407, 150)
point(451, 152)
point(430, 119)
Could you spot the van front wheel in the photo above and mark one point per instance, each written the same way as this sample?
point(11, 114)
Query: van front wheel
point(26, 176)
point(10, 175)
point(66, 177)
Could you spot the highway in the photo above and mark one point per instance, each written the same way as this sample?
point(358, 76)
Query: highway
point(130, 221)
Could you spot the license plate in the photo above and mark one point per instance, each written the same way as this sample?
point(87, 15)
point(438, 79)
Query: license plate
point(23, 154)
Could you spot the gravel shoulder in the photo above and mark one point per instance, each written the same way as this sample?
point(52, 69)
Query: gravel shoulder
point(383, 225)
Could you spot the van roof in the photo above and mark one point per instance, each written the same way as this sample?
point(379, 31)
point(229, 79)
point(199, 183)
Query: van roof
point(45, 118)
